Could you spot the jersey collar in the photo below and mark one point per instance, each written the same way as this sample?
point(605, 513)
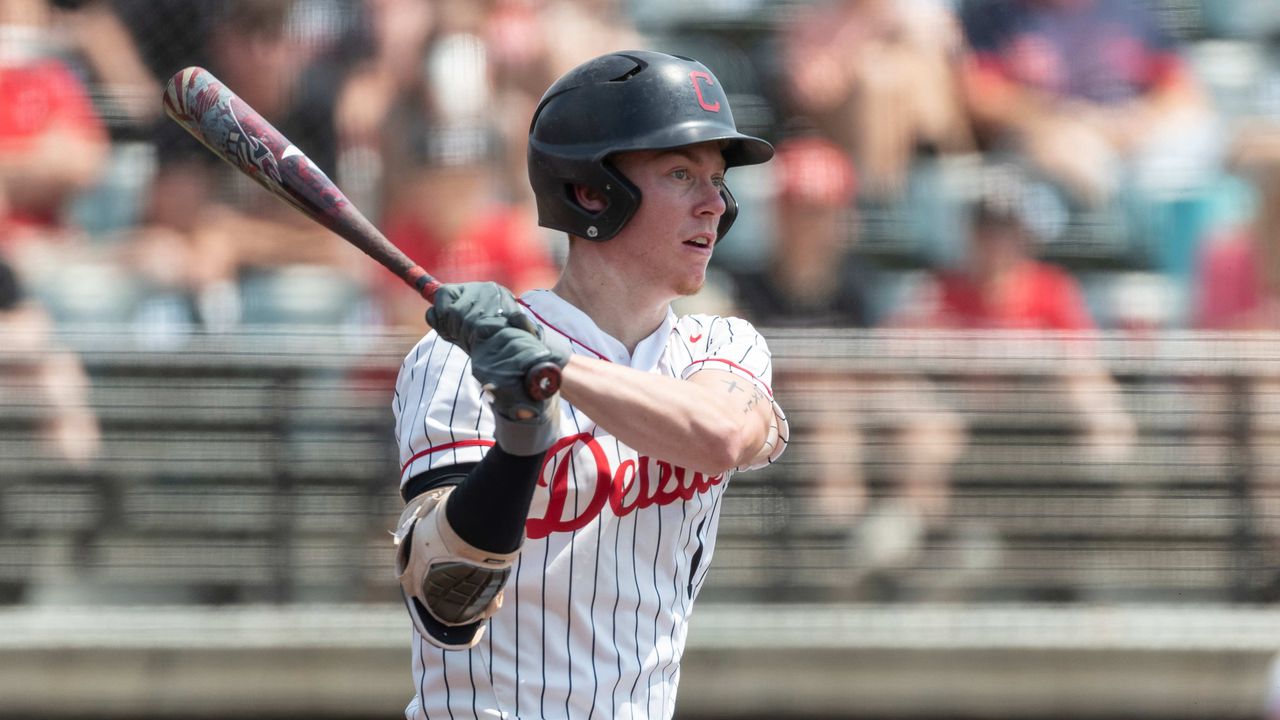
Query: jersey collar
point(587, 338)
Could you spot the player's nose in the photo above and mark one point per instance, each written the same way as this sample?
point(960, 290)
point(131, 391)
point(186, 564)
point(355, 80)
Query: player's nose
point(711, 200)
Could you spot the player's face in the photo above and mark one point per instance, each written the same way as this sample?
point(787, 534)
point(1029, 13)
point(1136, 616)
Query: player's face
point(670, 238)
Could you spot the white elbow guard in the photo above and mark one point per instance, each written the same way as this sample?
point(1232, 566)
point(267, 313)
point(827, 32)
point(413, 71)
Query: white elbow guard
point(450, 587)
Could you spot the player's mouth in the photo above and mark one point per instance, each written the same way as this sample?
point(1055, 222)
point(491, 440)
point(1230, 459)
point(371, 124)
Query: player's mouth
point(703, 241)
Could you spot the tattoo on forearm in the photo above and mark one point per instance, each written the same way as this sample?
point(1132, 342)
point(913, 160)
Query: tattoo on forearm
point(756, 395)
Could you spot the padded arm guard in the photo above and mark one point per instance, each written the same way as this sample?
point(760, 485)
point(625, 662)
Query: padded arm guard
point(450, 587)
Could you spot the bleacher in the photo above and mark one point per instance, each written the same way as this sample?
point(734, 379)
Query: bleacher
point(257, 471)
point(262, 467)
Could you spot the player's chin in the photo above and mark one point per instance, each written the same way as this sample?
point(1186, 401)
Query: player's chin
point(691, 285)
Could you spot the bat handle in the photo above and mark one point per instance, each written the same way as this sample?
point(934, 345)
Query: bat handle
point(423, 283)
point(542, 380)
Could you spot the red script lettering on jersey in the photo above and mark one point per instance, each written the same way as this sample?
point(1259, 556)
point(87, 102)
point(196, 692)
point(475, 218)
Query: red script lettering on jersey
point(636, 484)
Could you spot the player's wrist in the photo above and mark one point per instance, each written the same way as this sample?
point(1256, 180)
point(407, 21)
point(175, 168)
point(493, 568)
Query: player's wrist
point(533, 435)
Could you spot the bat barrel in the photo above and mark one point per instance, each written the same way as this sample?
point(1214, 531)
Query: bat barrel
point(235, 132)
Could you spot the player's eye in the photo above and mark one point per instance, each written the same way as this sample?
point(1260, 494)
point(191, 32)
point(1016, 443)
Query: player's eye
point(680, 174)
point(718, 181)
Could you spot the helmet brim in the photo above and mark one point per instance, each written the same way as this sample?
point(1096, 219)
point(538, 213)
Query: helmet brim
point(738, 148)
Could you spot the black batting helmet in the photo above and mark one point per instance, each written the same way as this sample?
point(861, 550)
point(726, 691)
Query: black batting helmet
point(632, 100)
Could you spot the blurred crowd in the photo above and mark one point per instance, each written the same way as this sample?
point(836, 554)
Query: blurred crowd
point(1055, 165)
point(1128, 141)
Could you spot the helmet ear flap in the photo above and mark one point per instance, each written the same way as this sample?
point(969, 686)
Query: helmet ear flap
point(730, 213)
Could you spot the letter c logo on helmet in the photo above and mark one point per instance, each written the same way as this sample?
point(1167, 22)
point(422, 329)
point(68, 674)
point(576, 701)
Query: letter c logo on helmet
point(620, 102)
point(697, 75)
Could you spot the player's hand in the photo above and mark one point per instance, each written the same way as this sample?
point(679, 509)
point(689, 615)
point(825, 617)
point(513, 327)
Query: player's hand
point(500, 362)
point(466, 314)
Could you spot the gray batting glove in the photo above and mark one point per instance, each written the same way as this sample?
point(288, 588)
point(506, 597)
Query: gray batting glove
point(468, 313)
point(524, 426)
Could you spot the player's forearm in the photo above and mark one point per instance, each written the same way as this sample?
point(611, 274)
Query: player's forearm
point(677, 420)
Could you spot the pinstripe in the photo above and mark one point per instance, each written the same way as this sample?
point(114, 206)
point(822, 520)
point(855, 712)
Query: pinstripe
point(657, 615)
point(440, 382)
point(680, 558)
point(448, 691)
point(546, 557)
point(617, 599)
point(568, 636)
point(490, 676)
point(457, 392)
point(677, 597)
point(599, 663)
point(397, 401)
point(471, 653)
point(635, 576)
point(714, 522)
point(424, 401)
point(471, 674)
point(516, 631)
point(422, 681)
point(595, 588)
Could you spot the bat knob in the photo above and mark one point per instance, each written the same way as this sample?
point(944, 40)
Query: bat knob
point(542, 380)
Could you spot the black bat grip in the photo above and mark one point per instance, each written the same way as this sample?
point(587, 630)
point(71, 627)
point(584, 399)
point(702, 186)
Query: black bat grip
point(542, 380)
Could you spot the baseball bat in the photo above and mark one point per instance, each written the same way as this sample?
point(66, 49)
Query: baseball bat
point(235, 132)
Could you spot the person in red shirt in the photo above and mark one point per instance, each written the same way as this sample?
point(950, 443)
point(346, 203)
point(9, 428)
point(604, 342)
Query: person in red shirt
point(52, 142)
point(1002, 287)
point(1238, 287)
point(447, 217)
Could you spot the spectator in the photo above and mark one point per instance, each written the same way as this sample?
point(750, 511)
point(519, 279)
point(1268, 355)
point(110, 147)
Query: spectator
point(814, 280)
point(52, 144)
point(45, 376)
point(1094, 93)
point(398, 35)
point(811, 278)
point(111, 54)
point(1239, 290)
point(463, 62)
point(446, 215)
point(530, 43)
point(208, 230)
point(1239, 283)
point(1001, 287)
point(879, 77)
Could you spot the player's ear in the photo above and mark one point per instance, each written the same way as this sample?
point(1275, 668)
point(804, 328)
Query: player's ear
point(589, 198)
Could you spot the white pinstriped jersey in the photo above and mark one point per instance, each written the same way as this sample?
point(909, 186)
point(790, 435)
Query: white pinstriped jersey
point(617, 543)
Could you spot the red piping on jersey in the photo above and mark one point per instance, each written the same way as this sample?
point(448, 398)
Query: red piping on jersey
point(730, 363)
point(477, 442)
point(567, 335)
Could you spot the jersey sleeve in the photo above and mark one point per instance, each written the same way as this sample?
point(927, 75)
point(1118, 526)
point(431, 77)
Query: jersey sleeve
point(441, 418)
point(732, 345)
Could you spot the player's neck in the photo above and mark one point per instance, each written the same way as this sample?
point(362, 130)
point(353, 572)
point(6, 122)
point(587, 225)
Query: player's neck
point(612, 300)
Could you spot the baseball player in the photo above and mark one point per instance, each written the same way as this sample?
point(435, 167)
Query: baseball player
point(550, 551)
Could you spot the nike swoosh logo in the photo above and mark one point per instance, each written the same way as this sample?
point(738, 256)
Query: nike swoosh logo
point(695, 338)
